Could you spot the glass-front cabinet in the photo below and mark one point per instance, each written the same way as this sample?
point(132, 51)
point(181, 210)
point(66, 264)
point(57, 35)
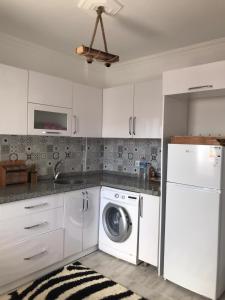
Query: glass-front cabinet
point(49, 120)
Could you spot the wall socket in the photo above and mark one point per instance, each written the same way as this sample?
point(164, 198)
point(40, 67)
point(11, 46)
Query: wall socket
point(137, 163)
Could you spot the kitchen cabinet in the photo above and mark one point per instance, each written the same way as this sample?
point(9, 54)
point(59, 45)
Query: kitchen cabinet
point(147, 118)
point(49, 90)
point(31, 236)
point(81, 219)
point(91, 218)
point(133, 111)
point(149, 229)
point(195, 79)
point(87, 111)
point(20, 260)
point(118, 112)
point(73, 222)
point(49, 120)
point(13, 95)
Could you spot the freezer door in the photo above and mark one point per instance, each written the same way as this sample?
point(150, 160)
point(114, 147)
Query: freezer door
point(197, 165)
point(191, 238)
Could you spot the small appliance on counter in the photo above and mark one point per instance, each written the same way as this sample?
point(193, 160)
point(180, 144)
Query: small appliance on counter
point(12, 172)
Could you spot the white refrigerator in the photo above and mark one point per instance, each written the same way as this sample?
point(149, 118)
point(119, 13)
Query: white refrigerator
point(195, 219)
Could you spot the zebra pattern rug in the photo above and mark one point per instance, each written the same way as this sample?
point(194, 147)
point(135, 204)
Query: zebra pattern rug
point(73, 282)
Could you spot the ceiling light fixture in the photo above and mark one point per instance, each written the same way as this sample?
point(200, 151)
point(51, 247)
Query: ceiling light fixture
point(94, 54)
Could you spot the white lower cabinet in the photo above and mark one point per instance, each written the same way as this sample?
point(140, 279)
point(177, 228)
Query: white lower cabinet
point(81, 218)
point(149, 229)
point(42, 231)
point(30, 256)
point(73, 220)
point(91, 218)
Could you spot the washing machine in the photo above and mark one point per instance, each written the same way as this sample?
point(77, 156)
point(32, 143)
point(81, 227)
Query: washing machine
point(119, 221)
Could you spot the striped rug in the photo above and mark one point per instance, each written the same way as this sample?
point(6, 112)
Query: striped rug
point(73, 282)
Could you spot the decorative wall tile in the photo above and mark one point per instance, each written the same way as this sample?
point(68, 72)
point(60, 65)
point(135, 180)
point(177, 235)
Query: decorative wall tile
point(121, 154)
point(81, 154)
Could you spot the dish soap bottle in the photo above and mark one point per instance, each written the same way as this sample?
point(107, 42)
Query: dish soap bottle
point(143, 168)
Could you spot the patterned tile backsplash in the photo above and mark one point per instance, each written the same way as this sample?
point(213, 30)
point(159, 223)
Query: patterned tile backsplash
point(122, 154)
point(80, 154)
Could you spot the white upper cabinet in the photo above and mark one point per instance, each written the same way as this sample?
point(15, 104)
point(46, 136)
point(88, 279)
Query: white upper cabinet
point(118, 111)
point(195, 79)
point(13, 97)
point(133, 110)
point(87, 111)
point(49, 120)
point(147, 121)
point(49, 90)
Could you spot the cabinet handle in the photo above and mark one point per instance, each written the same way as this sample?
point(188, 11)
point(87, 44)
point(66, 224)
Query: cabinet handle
point(36, 225)
point(130, 122)
point(36, 255)
point(51, 132)
point(134, 125)
point(83, 205)
point(75, 124)
point(36, 206)
point(141, 207)
point(200, 87)
point(87, 204)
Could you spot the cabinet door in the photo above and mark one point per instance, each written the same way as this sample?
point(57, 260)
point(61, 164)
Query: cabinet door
point(194, 79)
point(49, 90)
point(148, 109)
point(13, 97)
point(87, 111)
point(118, 111)
point(73, 223)
point(149, 229)
point(49, 120)
point(91, 218)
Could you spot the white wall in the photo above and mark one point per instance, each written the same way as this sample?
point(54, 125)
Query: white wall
point(27, 55)
point(152, 66)
point(206, 116)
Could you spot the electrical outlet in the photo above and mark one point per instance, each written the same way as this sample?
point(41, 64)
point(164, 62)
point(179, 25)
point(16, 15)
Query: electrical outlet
point(137, 163)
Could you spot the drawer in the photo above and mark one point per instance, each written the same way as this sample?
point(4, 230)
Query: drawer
point(30, 206)
point(30, 256)
point(24, 227)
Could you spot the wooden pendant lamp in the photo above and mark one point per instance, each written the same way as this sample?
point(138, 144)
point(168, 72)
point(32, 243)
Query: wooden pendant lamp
point(94, 54)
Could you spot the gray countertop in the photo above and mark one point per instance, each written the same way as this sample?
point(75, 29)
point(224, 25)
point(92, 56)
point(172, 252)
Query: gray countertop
point(48, 187)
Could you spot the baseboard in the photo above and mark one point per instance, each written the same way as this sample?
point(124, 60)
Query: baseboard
point(10, 287)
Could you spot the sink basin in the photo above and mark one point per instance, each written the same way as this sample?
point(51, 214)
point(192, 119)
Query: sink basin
point(68, 181)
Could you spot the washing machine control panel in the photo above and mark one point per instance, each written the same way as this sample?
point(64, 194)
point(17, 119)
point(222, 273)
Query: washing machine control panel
point(121, 196)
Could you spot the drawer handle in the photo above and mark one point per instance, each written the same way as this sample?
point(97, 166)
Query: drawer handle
point(36, 206)
point(36, 255)
point(200, 87)
point(36, 225)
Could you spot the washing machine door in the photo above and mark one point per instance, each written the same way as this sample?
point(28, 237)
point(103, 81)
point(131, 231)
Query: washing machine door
point(116, 222)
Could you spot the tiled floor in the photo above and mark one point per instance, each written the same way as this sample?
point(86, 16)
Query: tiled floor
point(141, 279)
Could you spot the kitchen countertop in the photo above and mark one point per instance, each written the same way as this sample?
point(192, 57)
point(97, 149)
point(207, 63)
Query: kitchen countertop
point(47, 187)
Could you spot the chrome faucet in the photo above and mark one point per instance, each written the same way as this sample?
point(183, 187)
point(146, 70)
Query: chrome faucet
point(57, 170)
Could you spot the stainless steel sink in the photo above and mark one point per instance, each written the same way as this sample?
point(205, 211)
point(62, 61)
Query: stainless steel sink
point(68, 181)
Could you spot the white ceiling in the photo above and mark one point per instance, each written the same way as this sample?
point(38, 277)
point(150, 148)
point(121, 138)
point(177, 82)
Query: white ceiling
point(142, 27)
